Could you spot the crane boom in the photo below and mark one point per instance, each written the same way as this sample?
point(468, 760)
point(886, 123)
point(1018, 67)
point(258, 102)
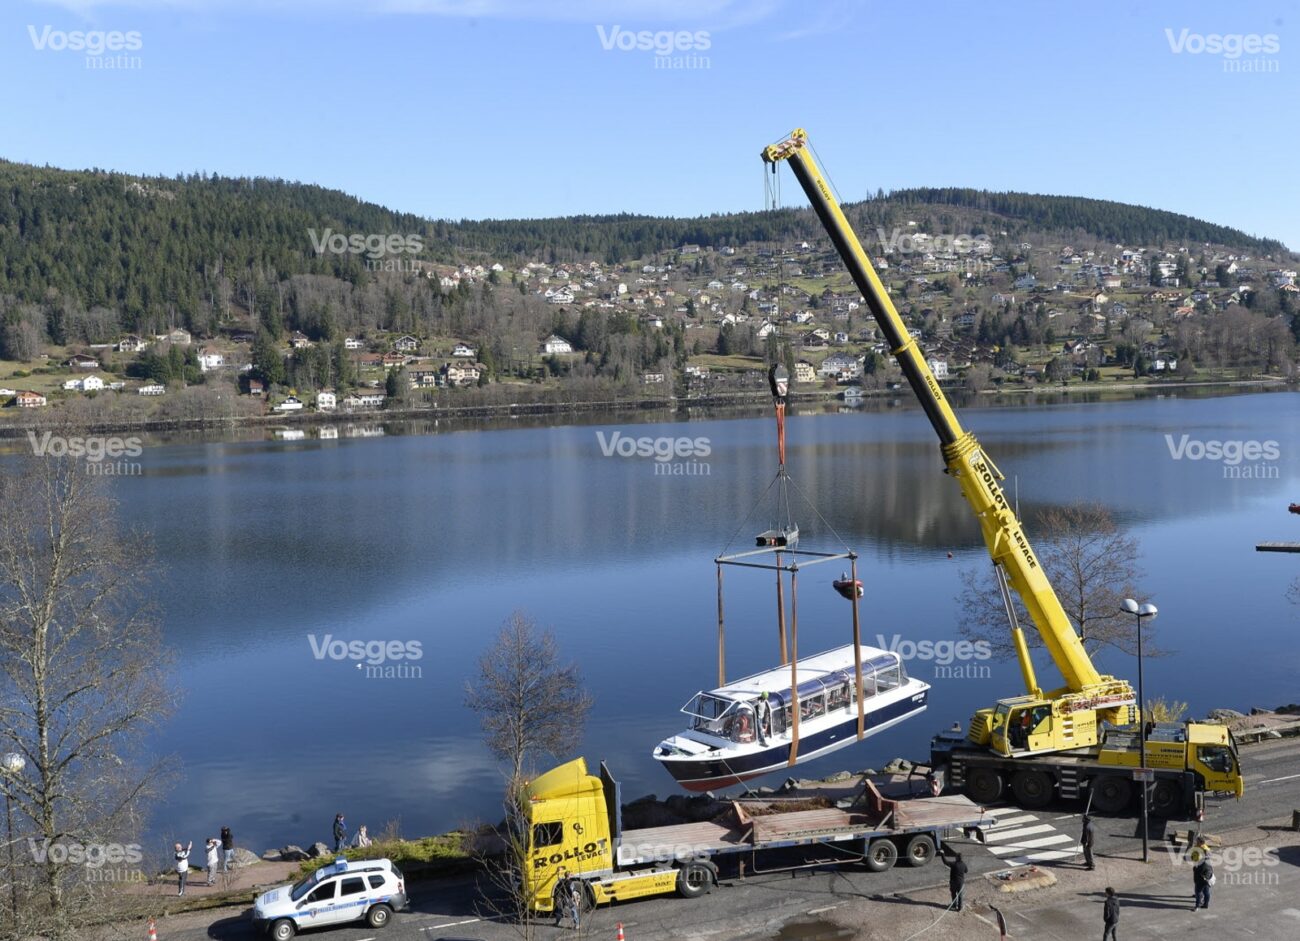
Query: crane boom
point(965, 460)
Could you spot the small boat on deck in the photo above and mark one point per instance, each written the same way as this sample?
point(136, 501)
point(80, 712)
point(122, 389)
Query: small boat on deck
point(723, 745)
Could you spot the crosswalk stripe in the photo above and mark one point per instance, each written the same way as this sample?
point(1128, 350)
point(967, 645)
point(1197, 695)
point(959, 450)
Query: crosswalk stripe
point(1001, 836)
point(1012, 821)
point(1038, 857)
point(1023, 845)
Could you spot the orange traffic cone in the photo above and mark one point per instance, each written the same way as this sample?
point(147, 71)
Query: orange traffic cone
point(620, 933)
point(153, 931)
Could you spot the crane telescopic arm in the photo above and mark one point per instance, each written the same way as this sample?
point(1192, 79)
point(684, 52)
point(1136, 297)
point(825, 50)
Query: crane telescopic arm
point(965, 460)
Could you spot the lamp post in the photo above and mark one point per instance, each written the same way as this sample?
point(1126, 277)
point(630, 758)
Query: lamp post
point(1140, 612)
point(12, 765)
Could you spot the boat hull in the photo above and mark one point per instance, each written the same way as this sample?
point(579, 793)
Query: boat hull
point(715, 770)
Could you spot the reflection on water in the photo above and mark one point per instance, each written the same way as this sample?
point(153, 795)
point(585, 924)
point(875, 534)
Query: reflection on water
point(362, 531)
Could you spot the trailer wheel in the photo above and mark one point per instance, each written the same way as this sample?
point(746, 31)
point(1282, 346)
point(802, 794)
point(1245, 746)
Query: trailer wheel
point(1166, 798)
point(694, 880)
point(919, 850)
point(983, 785)
point(881, 855)
point(1111, 794)
point(1033, 789)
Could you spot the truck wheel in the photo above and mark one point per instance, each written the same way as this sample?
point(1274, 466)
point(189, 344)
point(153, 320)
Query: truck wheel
point(984, 785)
point(694, 880)
point(282, 930)
point(919, 850)
point(1111, 794)
point(1166, 799)
point(1033, 789)
point(379, 916)
point(881, 855)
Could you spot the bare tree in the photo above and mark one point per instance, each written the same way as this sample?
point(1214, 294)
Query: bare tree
point(82, 673)
point(1091, 564)
point(528, 701)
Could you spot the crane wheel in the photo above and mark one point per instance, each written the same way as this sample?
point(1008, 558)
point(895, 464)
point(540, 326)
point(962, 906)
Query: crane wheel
point(1111, 794)
point(983, 785)
point(1166, 799)
point(1033, 789)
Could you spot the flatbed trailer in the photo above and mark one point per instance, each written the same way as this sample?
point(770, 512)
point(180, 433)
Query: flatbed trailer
point(614, 864)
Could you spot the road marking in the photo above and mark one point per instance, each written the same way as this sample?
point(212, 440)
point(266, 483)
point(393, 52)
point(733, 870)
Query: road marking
point(450, 924)
point(1021, 845)
point(1039, 857)
point(1004, 822)
point(1022, 831)
point(1285, 778)
point(818, 911)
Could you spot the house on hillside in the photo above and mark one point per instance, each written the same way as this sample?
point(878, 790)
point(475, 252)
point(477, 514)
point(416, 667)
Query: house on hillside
point(464, 351)
point(130, 344)
point(82, 361)
point(462, 374)
point(406, 344)
point(352, 343)
point(152, 388)
point(180, 337)
point(326, 401)
point(290, 404)
point(211, 358)
point(28, 399)
point(555, 344)
point(804, 372)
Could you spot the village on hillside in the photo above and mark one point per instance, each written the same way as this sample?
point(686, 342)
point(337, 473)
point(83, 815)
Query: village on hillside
point(990, 313)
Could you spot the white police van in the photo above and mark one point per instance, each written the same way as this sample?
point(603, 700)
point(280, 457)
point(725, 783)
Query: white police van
point(343, 891)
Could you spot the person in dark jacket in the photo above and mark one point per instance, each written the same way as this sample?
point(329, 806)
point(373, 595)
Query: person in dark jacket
point(1110, 916)
point(227, 849)
point(957, 870)
point(1202, 875)
point(340, 833)
point(1085, 840)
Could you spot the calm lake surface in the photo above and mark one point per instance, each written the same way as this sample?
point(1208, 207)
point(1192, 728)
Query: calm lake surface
point(438, 537)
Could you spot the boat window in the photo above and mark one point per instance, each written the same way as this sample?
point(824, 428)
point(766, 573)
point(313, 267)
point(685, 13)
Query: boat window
point(547, 834)
point(709, 714)
point(887, 678)
point(840, 696)
point(812, 706)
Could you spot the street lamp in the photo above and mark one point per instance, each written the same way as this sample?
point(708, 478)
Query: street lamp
point(1140, 612)
point(12, 764)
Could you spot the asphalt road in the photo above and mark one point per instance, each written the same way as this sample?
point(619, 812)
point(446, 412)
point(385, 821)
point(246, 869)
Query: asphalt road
point(758, 907)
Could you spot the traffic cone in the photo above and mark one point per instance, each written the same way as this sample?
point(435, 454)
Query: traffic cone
point(620, 933)
point(153, 931)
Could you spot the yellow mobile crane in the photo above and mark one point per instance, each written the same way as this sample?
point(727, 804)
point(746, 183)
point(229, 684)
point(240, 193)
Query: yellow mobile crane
point(1015, 740)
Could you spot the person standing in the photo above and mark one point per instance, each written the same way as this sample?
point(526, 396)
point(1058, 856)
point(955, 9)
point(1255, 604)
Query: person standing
point(182, 857)
point(1110, 916)
point(562, 895)
point(1085, 839)
point(957, 870)
point(1202, 880)
point(763, 718)
point(340, 832)
point(227, 849)
point(576, 889)
point(213, 847)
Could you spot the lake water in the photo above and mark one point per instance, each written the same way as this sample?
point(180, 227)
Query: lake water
point(439, 537)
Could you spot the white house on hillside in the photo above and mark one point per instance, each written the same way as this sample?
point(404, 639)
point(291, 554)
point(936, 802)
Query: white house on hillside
point(554, 344)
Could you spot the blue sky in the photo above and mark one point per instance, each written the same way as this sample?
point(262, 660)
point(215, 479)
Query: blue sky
point(511, 108)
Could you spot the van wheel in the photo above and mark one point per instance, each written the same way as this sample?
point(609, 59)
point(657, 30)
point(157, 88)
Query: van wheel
point(983, 785)
point(919, 850)
point(282, 930)
point(379, 916)
point(694, 880)
point(881, 855)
